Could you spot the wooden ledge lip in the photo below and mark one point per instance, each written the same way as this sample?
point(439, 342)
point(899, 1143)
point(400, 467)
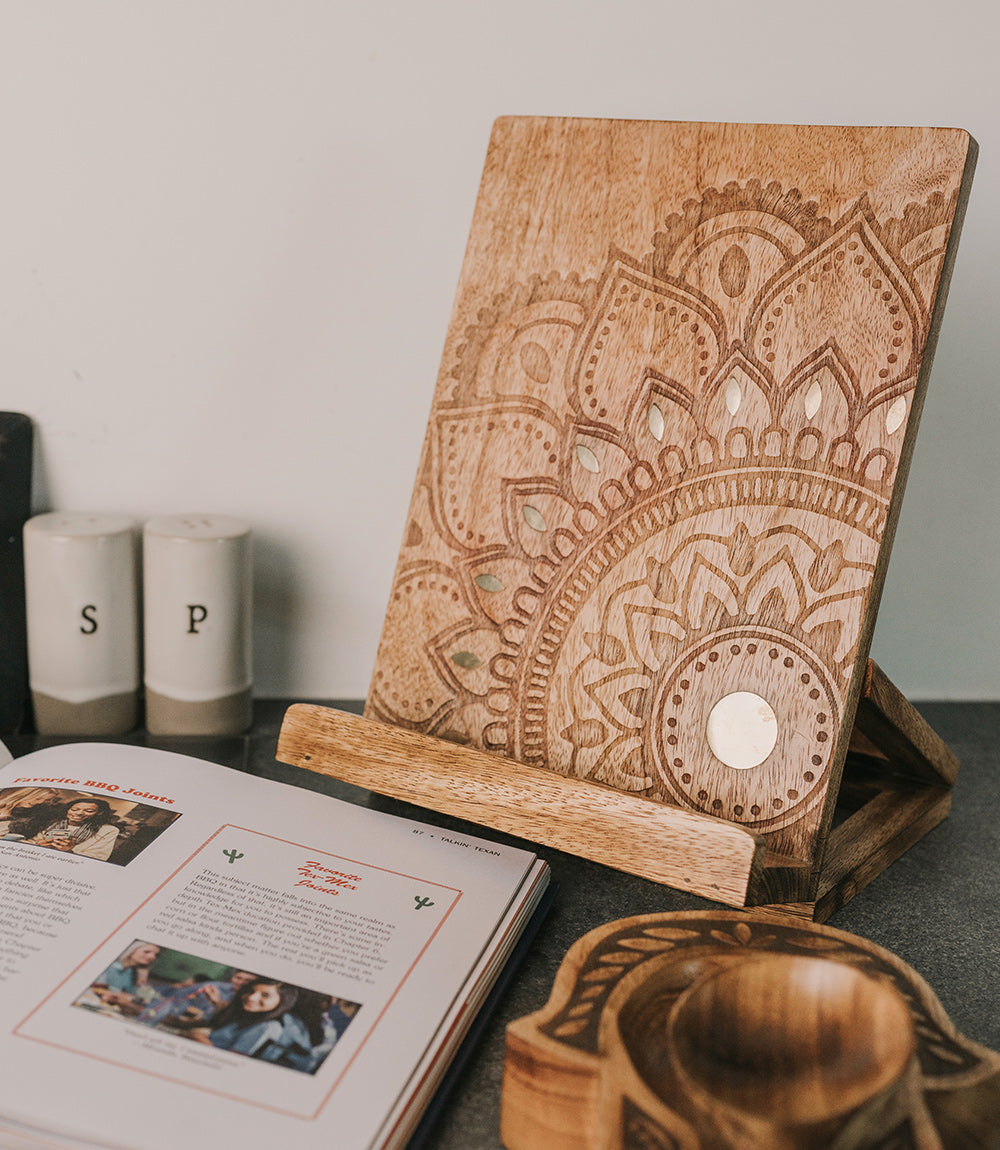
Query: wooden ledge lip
point(683, 849)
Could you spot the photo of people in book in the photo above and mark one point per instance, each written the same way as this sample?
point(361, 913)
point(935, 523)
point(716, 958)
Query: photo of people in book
point(221, 1006)
point(108, 827)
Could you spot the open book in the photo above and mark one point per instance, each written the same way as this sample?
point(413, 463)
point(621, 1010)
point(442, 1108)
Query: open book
point(190, 956)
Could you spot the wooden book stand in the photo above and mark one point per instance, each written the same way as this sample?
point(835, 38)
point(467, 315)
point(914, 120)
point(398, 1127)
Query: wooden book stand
point(664, 464)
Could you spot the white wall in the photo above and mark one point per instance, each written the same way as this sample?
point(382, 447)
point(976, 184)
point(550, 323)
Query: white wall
point(233, 228)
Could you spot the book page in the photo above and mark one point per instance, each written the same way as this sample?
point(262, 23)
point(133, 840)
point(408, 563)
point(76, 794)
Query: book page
point(256, 962)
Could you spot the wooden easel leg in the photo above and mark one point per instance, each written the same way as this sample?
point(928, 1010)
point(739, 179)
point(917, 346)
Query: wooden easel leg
point(865, 844)
point(903, 772)
point(898, 778)
point(889, 722)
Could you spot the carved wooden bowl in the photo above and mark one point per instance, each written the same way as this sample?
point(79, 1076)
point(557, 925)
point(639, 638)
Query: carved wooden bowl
point(705, 1030)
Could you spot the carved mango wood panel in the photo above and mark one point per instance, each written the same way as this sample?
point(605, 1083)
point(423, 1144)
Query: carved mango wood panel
point(663, 465)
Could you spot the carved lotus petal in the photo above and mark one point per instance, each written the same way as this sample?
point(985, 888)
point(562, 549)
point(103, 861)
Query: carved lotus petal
point(741, 551)
point(606, 647)
point(527, 351)
point(651, 325)
point(621, 768)
point(596, 462)
point(803, 309)
point(494, 583)
point(710, 594)
point(653, 635)
point(509, 441)
point(425, 589)
point(585, 733)
point(463, 657)
point(827, 566)
point(741, 401)
point(539, 519)
point(536, 362)
point(777, 593)
point(660, 580)
point(620, 697)
point(878, 433)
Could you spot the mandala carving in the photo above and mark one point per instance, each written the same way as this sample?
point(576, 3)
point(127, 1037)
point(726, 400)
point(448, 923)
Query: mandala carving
point(645, 491)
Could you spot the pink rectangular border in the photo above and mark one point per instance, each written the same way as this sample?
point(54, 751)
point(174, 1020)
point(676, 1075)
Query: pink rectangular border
point(221, 1093)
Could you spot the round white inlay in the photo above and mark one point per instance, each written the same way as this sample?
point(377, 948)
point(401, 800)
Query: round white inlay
point(742, 730)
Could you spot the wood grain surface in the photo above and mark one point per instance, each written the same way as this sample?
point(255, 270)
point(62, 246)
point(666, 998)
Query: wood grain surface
point(710, 1030)
point(703, 855)
point(664, 462)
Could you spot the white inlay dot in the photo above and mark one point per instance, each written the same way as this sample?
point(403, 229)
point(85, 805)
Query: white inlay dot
point(734, 396)
point(742, 730)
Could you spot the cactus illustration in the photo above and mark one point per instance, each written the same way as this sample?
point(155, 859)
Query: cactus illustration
point(233, 855)
point(421, 902)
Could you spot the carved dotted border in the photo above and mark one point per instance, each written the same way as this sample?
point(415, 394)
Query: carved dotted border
point(670, 738)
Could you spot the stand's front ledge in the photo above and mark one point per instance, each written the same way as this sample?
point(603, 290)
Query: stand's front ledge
point(895, 787)
point(683, 849)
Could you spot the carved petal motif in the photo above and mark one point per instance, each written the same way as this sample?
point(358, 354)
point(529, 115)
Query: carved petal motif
point(622, 698)
point(463, 656)
point(642, 325)
point(516, 440)
point(851, 274)
point(495, 581)
point(527, 354)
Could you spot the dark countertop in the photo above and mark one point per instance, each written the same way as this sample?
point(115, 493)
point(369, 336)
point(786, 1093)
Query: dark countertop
point(937, 908)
